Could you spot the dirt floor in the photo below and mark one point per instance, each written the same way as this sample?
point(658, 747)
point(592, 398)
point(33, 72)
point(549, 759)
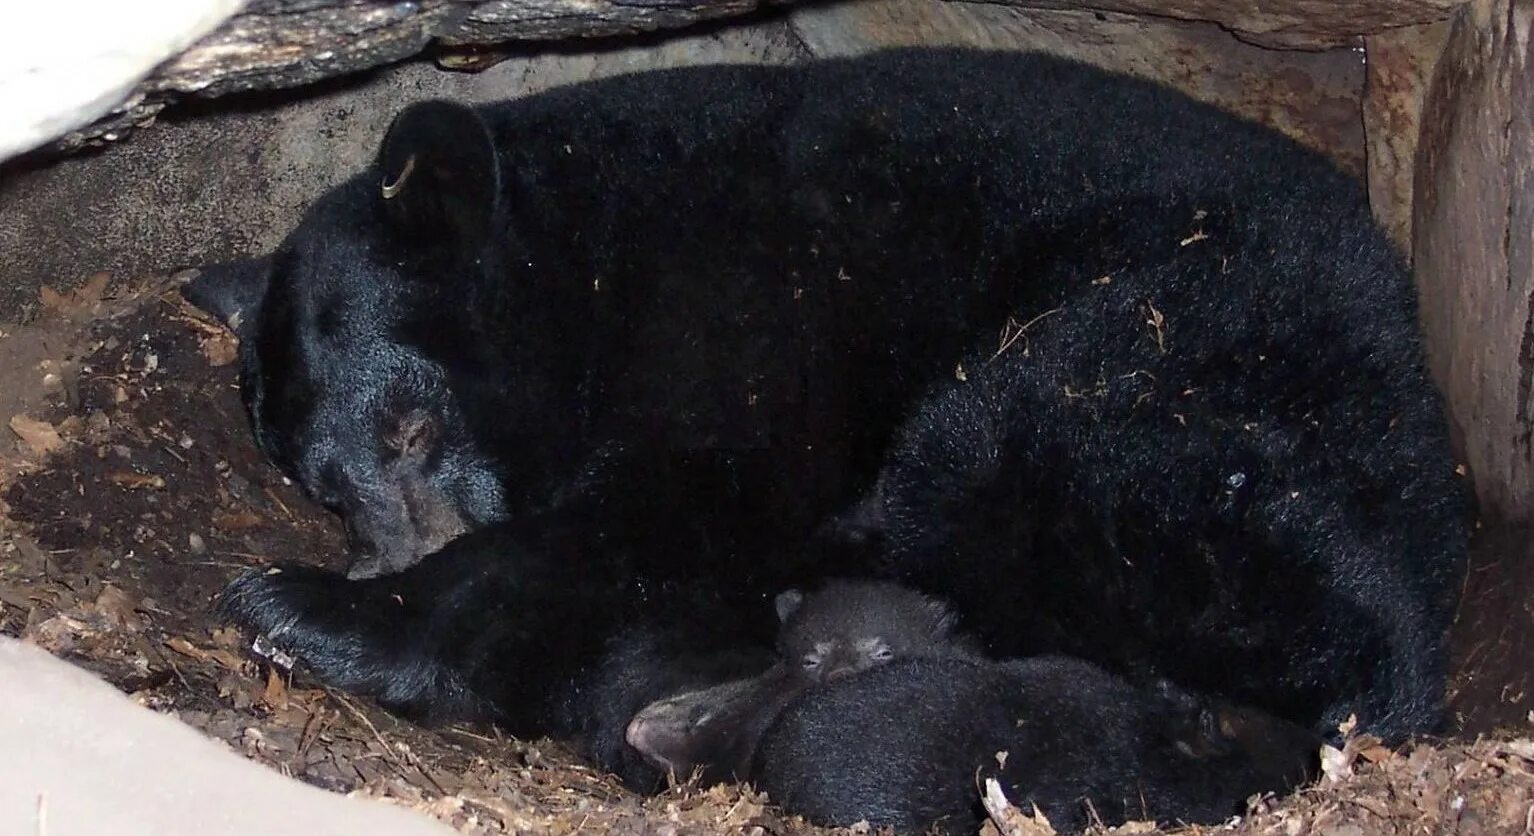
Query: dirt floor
point(130, 493)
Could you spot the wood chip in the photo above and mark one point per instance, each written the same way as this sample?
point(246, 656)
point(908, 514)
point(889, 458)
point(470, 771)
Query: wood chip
point(1007, 819)
point(39, 437)
point(136, 481)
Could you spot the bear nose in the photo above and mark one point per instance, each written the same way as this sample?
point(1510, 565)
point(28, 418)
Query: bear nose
point(839, 672)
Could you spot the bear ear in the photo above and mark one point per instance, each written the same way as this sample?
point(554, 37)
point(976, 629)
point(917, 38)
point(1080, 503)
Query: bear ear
point(231, 290)
point(440, 179)
point(787, 603)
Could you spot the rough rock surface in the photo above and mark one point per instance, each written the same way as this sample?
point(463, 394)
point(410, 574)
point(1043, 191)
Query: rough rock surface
point(50, 85)
point(275, 44)
point(1399, 68)
point(1474, 209)
point(230, 176)
point(1292, 23)
point(1311, 96)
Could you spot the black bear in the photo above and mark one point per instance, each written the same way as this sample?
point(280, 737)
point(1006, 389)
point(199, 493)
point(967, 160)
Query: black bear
point(644, 338)
point(840, 629)
point(849, 626)
point(907, 746)
point(1185, 470)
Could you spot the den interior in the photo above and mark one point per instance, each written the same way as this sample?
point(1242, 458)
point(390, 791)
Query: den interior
point(130, 491)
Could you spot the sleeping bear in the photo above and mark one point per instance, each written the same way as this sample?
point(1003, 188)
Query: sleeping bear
point(590, 373)
point(843, 628)
point(906, 746)
point(902, 738)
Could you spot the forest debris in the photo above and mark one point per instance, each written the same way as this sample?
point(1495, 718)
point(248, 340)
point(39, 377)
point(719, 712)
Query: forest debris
point(136, 481)
point(219, 349)
point(276, 693)
point(236, 520)
point(80, 301)
point(119, 609)
point(1006, 819)
point(1157, 322)
point(40, 437)
point(223, 657)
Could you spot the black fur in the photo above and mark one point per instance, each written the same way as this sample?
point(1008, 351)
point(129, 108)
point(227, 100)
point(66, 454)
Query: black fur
point(838, 630)
point(850, 626)
point(909, 745)
point(1217, 454)
point(709, 299)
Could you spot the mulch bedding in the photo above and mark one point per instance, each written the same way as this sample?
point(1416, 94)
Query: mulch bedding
point(130, 493)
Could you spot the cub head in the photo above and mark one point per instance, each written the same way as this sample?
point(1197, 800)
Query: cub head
point(850, 626)
point(353, 333)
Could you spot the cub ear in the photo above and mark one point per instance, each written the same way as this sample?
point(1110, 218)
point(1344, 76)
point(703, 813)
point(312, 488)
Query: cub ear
point(440, 179)
point(787, 603)
point(231, 290)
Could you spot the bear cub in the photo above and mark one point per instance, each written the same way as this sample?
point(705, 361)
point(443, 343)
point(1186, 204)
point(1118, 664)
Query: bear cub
point(878, 709)
point(843, 628)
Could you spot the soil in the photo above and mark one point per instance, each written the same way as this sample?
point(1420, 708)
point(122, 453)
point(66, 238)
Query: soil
point(131, 492)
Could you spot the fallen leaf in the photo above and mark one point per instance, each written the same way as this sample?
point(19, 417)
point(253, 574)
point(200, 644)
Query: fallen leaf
point(82, 299)
point(276, 693)
point(118, 608)
point(40, 437)
point(219, 349)
point(1336, 764)
point(52, 299)
point(93, 290)
point(1376, 753)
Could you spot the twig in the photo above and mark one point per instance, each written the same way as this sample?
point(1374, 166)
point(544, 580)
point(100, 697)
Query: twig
point(356, 712)
point(1010, 336)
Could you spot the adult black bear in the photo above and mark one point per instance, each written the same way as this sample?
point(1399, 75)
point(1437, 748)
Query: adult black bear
point(643, 337)
point(1209, 460)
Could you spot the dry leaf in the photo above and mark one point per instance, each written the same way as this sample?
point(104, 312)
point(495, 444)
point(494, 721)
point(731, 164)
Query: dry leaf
point(40, 437)
point(276, 693)
point(93, 290)
point(52, 299)
point(82, 299)
point(219, 349)
point(1376, 753)
point(1336, 764)
point(118, 608)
